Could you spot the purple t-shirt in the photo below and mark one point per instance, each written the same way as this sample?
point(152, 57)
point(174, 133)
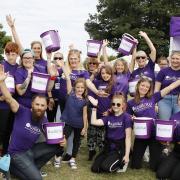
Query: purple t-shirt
point(20, 76)
point(146, 107)
point(104, 103)
point(11, 69)
point(75, 74)
point(147, 71)
point(176, 117)
point(121, 83)
point(73, 112)
point(116, 125)
point(41, 66)
point(25, 131)
point(167, 76)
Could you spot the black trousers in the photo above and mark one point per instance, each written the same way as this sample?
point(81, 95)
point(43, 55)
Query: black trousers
point(170, 166)
point(51, 114)
point(109, 160)
point(155, 150)
point(6, 126)
point(76, 140)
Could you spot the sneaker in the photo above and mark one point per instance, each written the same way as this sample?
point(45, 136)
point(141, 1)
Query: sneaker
point(43, 173)
point(73, 164)
point(123, 169)
point(66, 158)
point(57, 162)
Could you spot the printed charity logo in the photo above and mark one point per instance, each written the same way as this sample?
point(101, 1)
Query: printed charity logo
point(32, 129)
point(114, 124)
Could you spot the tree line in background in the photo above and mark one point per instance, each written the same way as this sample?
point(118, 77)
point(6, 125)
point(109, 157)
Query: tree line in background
point(116, 17)
point(3, 40)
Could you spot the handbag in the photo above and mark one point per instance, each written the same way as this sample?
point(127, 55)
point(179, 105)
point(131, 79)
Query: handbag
point(5, 163)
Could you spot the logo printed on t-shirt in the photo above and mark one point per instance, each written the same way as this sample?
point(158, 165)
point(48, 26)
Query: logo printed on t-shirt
point(32, 129)
point(114, 124)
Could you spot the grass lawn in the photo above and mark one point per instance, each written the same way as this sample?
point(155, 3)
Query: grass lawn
point(83, 172)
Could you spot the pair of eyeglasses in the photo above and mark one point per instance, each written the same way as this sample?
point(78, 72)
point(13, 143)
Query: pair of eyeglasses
point(140, 57)
point(116, 104)
point(58, 58)
point(93, 63)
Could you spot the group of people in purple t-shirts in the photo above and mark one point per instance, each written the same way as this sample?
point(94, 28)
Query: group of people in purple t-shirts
point(94, 100)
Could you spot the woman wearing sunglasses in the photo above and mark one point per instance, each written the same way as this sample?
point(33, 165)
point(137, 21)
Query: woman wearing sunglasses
point(144, 68)
point(168, 105)
point(143, 105)
point(118, 126)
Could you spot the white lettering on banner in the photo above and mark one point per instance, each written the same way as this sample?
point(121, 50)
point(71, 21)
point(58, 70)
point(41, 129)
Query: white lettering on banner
point(125, 45)
point(164, 131)
point(39, 83)
point(140, 129)
point(47, 40)
point(93, 48)
point(9, 81)
point(55, 132)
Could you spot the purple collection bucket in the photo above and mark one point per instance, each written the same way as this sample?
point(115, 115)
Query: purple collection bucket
point(10, 84)
point(51, 40)
point(39, 82)
point(54, 132)
point(175, 26)
point(143, 127)
point(132, 86)
point(127, 44)
point(93, 47)
point(165, 130)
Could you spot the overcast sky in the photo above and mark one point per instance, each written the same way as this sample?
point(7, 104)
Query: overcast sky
point(36, 16)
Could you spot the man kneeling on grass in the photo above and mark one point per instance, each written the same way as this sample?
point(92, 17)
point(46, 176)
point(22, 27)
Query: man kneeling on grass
point(27, 156)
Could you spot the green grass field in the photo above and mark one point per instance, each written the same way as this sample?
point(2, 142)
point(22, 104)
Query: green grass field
point(83, 172)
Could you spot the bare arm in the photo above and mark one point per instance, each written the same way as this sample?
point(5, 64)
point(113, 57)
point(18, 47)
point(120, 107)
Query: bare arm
point(94, 120)
point(157, 86)
point(152, 55)
point(127, 144)
point(85, 121)
point(11, 23)
point(132, 63)
point(14, 105)
point(169, 88)
point(104, 51)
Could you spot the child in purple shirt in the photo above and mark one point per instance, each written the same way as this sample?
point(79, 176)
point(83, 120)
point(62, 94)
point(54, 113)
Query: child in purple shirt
point(144, 105)
point(118, 137)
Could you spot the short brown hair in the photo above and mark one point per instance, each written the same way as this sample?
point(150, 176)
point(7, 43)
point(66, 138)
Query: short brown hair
point(12, 47)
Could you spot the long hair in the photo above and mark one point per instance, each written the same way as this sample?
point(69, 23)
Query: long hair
point(83, 81)
point(109, 71)
point(149, 94)
point(124, 64)
point(37, 42)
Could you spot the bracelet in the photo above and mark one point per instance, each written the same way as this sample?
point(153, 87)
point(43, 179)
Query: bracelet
point(53, 78)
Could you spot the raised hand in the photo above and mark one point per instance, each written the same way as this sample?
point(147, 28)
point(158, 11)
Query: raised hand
point(105, 42)
point(142, 34)
point(10, 21)
point(3, 75)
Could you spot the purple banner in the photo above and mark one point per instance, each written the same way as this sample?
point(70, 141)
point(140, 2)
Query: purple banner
point(175, 26)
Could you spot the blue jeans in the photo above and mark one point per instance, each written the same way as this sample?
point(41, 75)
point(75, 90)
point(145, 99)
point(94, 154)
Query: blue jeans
point(168, 106)
point(27, 165)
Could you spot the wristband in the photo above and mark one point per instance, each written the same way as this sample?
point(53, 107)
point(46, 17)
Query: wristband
point(53, 78)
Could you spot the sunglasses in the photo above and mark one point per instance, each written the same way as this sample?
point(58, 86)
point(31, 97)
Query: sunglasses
point(93, 63)
point(56, 58)
point(140, 57)
point(116, 104)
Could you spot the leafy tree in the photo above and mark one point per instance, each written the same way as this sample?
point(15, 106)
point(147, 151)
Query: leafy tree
point(3, 40)
point(116, 17)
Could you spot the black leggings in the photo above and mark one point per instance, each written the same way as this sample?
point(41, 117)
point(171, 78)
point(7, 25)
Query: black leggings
point(109, 160)
point(76, 140)
point(170, 166)
point(155, 150)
